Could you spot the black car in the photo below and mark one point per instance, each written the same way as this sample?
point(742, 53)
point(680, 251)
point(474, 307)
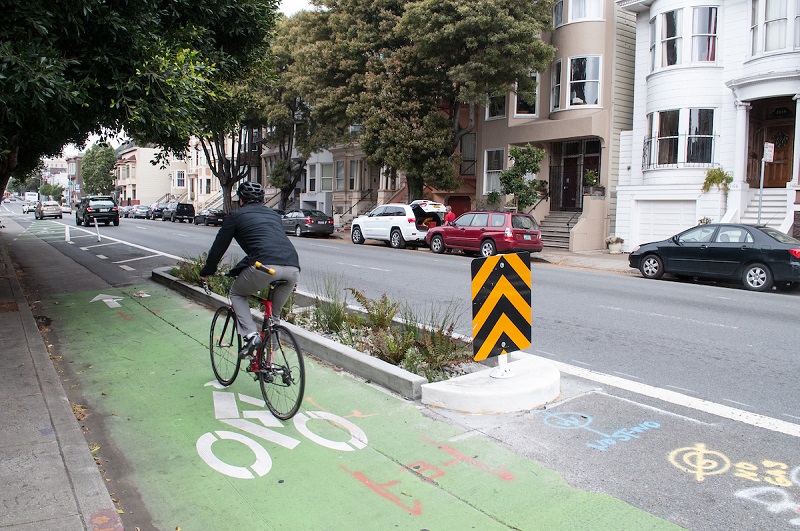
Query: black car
point(210, 216)
point(178, 212)
point(156, 209)
point(759, 256)
point(102, 208)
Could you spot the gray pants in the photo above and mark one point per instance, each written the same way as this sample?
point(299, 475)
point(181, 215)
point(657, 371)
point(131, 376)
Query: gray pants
point(249, 282)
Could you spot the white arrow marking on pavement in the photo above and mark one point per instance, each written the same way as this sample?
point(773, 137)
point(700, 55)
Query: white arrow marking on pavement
point(110, 300)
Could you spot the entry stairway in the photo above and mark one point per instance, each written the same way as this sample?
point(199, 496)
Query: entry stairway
point(555, 228)
point(773, 208)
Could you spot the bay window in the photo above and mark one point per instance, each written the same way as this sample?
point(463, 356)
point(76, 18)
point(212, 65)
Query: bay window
point(558, 13)
point(584, 81)
point(700, 141)
point(775, 25)
point(586, 10)
point(671, 38)
point(704, 34)
point(555, 86)
point(668, 137)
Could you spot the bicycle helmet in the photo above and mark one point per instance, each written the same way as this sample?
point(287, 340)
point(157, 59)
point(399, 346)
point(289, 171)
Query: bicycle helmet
point(251, 192)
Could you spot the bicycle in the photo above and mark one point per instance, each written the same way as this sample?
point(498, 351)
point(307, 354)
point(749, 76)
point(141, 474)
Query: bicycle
point(277, 362)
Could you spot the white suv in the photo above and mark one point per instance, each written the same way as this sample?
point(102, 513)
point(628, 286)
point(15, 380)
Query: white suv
point(398, 224)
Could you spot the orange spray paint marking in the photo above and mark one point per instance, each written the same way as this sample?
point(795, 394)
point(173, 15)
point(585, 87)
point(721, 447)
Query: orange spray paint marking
point(381, 490)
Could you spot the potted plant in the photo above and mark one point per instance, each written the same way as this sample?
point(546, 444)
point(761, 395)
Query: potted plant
point(614, 244)
point(591, 183)
point(540, 186)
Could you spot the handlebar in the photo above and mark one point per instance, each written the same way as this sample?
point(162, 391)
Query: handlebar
point(262, 267)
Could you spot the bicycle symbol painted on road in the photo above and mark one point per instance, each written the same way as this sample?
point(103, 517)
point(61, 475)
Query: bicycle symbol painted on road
point(260, 423)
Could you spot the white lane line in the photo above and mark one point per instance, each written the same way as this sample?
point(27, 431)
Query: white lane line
point(791, 416)
point(737, 403)
point(582, 363)
point(664, 316)
point(127, 268)
point(134, 259)
point(721, 410)
point(98, 245)
point(627, 375)
point(680, 388)
point(365, 267)
point(134, 245)
point(101, 256)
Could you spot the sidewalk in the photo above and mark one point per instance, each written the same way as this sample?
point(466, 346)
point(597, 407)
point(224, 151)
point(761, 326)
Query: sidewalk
point(49, 477)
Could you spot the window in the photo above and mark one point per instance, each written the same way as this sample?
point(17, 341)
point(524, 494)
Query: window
point(468, 153)
point(353, 175)
point(668, 137)
point(208, 186)
point(523, 107)
point(558, 13)
point(697, 235)
point(326, 174)
point(733, 235)
point(494, 165)
point(700, 142)
point(652, 44)
point(586, 10)
point(555, 86)
point(312, 178)
point(584, 81)
point(498, 220)
point(497, 107)
point(704, 34)
point(775, 25)
point(339, 175)
point(481, 219)
point(797, 23)
point(754, 42)
point(180, 179)
point(671, 38)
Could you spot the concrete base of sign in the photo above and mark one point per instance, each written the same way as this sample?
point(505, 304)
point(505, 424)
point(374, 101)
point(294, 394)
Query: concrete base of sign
point(535, 382)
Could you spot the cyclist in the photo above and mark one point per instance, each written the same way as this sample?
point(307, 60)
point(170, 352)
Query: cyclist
point(259, 232)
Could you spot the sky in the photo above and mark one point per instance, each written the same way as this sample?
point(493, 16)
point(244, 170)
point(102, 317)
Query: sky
point(287, 7)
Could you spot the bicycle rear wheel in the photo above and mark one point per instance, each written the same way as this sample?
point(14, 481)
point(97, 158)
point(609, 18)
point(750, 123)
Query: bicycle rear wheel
point(283, 382)
point(225, 344)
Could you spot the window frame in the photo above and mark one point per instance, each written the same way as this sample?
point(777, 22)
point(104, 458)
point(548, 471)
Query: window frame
point(698, 136)
point(495, 156)
point(558, 14)
point(596, 14)
point(711, 39)
point(586, 81)
point(311, 178)
point(675, 41)
point(776, 22)
point(339, 176)
point(556, 79)
point(490, 108)
point(326, 179)
point(518, 100)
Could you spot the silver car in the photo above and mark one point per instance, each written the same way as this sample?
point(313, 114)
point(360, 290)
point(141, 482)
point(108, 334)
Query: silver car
point(47, 209)
point(307, 221)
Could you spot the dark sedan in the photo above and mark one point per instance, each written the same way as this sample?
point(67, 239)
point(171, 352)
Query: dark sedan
point(307, 221)
point(210, 216)
point(759, 256)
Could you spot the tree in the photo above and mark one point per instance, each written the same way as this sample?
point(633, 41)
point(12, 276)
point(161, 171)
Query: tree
point(517, 179)
point(56, 191)
point(77, 67)
point(96, 168)
point(409, 70)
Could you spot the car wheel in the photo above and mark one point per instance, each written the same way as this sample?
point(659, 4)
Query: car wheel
point(297, 231)
point(488, 248)
point(205, 222)
point(787, 286)
point(356, 235)
point(652, 267)
point(757, 277)
point(61, 217)
point(396, 239)
point(77, 220)
point(172, 219)
point(116, 222)
point(437, 244)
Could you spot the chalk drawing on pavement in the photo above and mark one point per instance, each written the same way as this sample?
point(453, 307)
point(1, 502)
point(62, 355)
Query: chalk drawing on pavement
point(572, 421)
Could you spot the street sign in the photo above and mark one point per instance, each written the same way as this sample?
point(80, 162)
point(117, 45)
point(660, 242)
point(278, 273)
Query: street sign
point(77, 187)
point(769, 151)
point(501, 304)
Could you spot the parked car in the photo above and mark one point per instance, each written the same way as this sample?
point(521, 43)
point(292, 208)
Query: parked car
point(307, 221)
point(102, 208)
point(178, 212)
point(487, 233)
point(757, 255)
point(155, 210)
point(47, 209)
point(138, 211)
point(124, 211)
point(210, 216)
point(398, 224)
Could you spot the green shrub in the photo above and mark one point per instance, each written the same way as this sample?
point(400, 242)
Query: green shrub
point(717, 177)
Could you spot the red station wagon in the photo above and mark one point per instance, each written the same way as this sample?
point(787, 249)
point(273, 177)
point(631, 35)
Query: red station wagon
point(487, 233)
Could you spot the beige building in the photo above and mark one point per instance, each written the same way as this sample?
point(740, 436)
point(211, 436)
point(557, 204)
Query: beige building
point(584, 101)
point(138, 181)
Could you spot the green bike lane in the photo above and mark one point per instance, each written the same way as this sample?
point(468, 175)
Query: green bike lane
point(199, 456)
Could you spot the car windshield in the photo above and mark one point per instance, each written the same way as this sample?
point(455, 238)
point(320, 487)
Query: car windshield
point(778, 235)
point(315, 213)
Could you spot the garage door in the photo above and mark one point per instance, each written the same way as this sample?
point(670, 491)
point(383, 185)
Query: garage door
point(658, 220)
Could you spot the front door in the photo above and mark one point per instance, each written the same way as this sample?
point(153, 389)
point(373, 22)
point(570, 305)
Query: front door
point(779, 172)
point(570, 183)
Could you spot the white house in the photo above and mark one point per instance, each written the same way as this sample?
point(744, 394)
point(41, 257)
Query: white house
point(714, 82)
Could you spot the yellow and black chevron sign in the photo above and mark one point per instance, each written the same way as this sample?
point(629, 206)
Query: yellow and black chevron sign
point(501, 304)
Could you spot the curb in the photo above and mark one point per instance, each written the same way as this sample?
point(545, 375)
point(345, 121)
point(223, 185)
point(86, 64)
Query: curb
point(404, 383)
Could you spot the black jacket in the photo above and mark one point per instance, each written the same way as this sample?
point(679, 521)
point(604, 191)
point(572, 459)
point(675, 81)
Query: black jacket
point(259, 232)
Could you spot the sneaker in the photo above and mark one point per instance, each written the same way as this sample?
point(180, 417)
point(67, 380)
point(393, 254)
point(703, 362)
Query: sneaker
point(250, 344)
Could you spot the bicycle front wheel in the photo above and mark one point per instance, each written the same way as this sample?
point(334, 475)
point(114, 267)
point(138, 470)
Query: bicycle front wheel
point(283, 378)
point(225, 344)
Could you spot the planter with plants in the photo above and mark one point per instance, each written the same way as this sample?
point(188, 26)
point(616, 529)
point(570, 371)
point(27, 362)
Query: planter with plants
point(614, 244)
point(591, 184)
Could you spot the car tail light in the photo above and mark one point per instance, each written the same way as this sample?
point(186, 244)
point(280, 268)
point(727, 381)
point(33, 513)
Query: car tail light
point(795, 252)
point(411, 220)
point(509, 232)
point(89, 209)
point(309, 220)
point(330, 222)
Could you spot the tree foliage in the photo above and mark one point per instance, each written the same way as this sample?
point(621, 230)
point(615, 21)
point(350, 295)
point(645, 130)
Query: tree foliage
point(409, 71)
point(96, 168)
point(56, 191)
point(77, 67)
point(518, 181)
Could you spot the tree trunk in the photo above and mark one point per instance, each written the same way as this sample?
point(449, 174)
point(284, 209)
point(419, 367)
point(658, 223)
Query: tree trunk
point(415, 186)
